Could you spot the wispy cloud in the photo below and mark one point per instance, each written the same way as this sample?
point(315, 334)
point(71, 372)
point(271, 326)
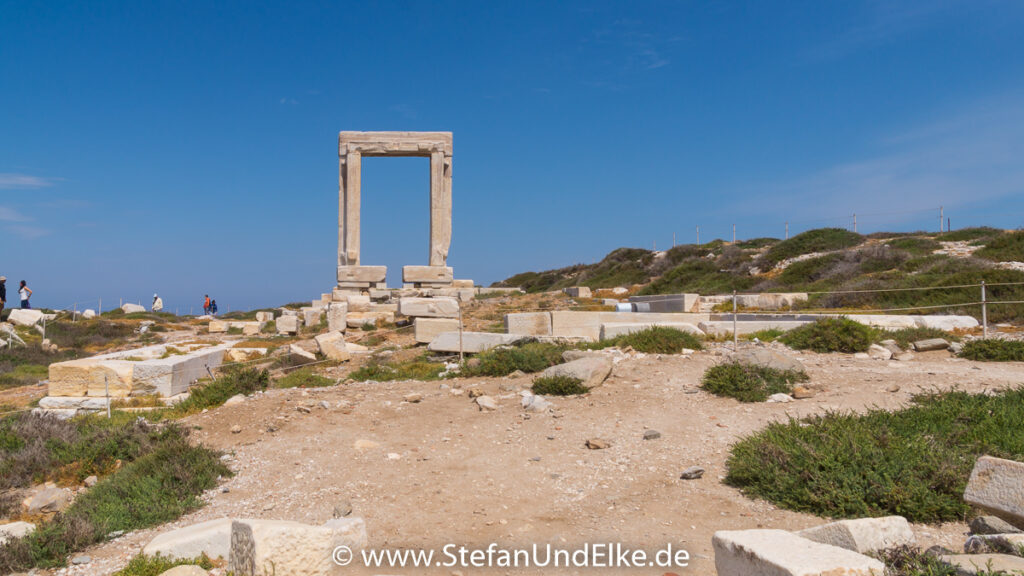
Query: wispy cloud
point(15, 181)
point(967, 157)
point(27, 232)
point(11, 215)
point(633, 46)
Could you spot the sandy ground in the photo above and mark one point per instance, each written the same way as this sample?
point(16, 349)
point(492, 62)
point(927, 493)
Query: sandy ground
point(441, 471)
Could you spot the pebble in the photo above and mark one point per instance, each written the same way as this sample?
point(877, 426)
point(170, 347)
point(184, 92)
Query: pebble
point(651, 434)
point(81, 559)
point(692, 473)
point(236, 429)
point(598, 444)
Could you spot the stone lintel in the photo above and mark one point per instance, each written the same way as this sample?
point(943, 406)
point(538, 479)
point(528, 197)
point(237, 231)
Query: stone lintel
point(362, 274)
point(427, 275)
point(395, 143)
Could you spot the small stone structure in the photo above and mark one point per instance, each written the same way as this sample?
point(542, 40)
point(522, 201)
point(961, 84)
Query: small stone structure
point(352, 147)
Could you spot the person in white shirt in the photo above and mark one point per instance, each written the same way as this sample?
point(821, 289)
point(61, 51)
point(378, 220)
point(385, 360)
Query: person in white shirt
point(158, 303)
point(25, 292)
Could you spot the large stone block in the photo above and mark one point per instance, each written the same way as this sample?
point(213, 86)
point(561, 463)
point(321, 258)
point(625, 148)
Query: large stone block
point(79, 377)
point(997, 485)
point(592, 370)
point(766, 358)
point(13, 530)
point(577, 292)
point(429, 307)
point(462, 284)
point(886, 321)
point(947, 323)
point(287, 324)
point(610, 330)
point(427, 274)
point(265, 316)
point(781, 553)
point(132, 308)
point(528, 323)
point(252, 328)
point(426, 330)
point(863, 535)
point(472, 342)
point(311, 316)
point(22, 317)
point(337, 316)
point(280, 547)
point(174, 374)
point(587, 325)
point(358, 303)
point(218, 326)
point(666, 303)
point(771, 300)
point(212, 538)
point(332, 345)
point(723, 328)
point(362, 274)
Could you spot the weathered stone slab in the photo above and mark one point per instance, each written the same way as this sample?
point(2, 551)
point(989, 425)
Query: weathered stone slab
point(173, 375)
point(587, 325)
point(947, 323)
point(311, 316)
point(287, 324)
point(73, 402)
point(973, 564)
point(666, 303)
point(863, 535)
point(931, 344)
point(528, 323)
point(13, 530)
point(770, 300)
point(212, 538)
point(358, 303)
point(22, 317)
point(78, 377)
point(781, 553)
point(218, 326)
point(577, 292)
point(610, 330)
point(332, 345)
point(277, 547)
point(472, 342)
point(300, 354)
point(362, 274)
point(252, 328)
point(723, 328)
point(132, 308)
point(766, 358)
point(498, 290)
point(592, 370)
point(426, 330)
point(996, 543)
point(462, 284)
point(879, 352)
point(997, 485)
point(889, 322)
point(429, 307)
point(337, 316)
point(428, 274)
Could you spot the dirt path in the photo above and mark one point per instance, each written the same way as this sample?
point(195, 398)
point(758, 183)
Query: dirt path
point(440, 471)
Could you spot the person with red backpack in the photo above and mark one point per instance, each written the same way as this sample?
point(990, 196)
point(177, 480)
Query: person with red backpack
point(206, 305)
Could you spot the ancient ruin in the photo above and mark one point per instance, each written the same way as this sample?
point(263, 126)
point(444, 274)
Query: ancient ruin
point(352, 147)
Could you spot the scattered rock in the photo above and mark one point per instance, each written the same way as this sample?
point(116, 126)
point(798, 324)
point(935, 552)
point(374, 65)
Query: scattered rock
point(82, 558)
point(651, 434)
point(750, 552)
point(956, 347)
point(49, 499)
point(997, 485)
point(766, 358)
point(343, 508)
point(598, 444)
point(535, 403)
point(879, 352)
point(970, 564)
point(592, 370)
point(692, 473)
point(995, 543)
point(15, 530)
point(802, 392)
point(931, 344)
point(780, 397)
point(186, 570)
point(893, 389)
point(904, 356)
point(475, 392)
point(235, 400)
point(864, 535)
point(993, 525)
point(90, 481)
point(297, 353)
point(486, 403)
point(413, 398)
point(236, 429)
point(212, 538)
point(132, 308)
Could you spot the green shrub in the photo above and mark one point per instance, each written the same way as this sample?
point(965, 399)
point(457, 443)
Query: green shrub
point(155, 488)
point(969, 234)
point(768, 335)
point(377, 371)
point(1004, 248)
point(907, 336)
point(530, 357)
point(915, 245)
point(559, 386)
point(701, 276)
point(233, 381)
point(830, 335)
point(749, 383)
point(303, 378)
point(820, 240)
point(653, 340)
point(913, 462)
point(143, 565)
point(912, 561)
point(994, 350)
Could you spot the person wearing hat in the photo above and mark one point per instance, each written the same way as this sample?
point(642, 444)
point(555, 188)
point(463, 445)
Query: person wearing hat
point(3, 292)
point(158, 303)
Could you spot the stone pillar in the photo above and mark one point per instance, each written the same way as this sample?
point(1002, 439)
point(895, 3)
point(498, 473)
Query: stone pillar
point(348, 234)
point(440, 207)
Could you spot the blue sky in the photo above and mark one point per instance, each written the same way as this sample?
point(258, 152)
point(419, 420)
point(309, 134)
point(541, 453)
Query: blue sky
point(191, 147)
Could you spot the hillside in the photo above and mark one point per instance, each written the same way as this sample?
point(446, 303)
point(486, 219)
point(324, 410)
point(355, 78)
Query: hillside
point(822, 260)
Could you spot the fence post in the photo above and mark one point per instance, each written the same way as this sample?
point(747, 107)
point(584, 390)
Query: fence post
point(106, 388)
point(461, 356)
point(984, 312)
point(74, 312)
point(735, 337)
point(100, 311)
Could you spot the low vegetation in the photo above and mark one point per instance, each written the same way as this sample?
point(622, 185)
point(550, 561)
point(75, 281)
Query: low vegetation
point(234, 380)
point(559, 386)
point(913, 462)
point(749, 383)
point(1004, 248)
point(379, 371)
point(830, 335)
point(530, 357)
point(912, 561)
point(653, 340)
point(303, 378)
point(161, 478)
point(142, 565)
point(906, 337)
point(820, 240)
point(993, 350)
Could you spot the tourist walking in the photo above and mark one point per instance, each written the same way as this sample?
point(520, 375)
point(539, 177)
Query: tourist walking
point(25, 293)
point(3, 292)
point(158, 303)
point(206, 305)
point(213, 307)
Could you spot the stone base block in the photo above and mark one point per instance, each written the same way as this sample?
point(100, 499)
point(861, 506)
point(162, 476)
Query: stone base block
point(429, 307)
point(367, 274)
point(472, 342)
point(781, 553)
point(528, 323)
point(427, 275)
point(997, 485)
point(426, 330)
